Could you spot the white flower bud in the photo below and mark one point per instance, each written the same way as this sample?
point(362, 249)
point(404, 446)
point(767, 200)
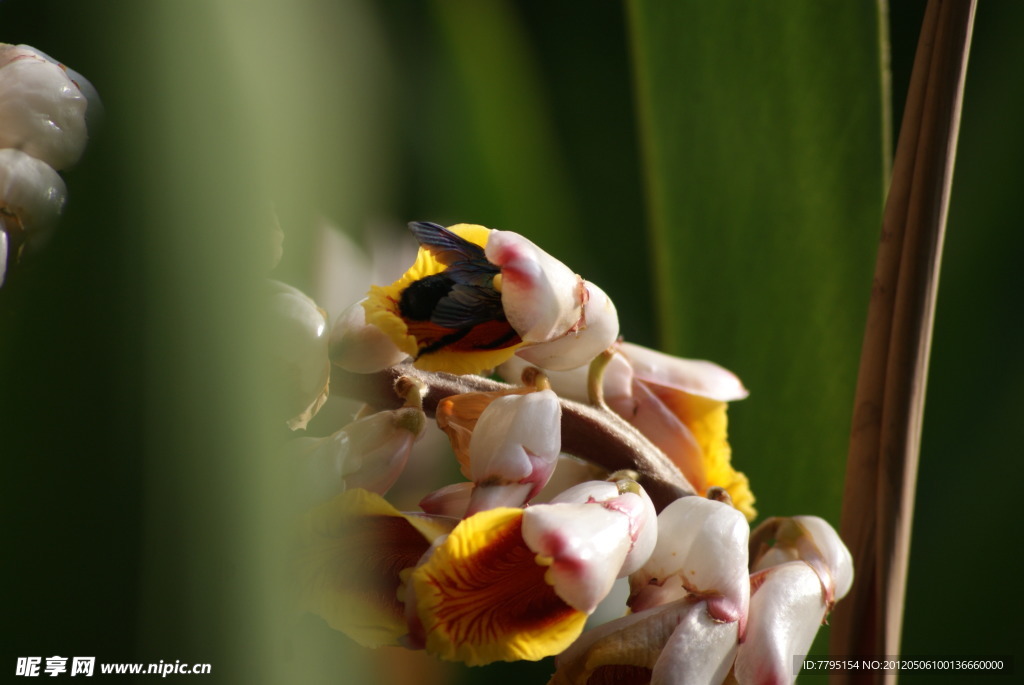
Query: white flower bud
point(813, 540)
point(369, 453)
point(588, 541)
point(597, 332)
point(786, 608)
point(30, 191)
point(700, 649)
point(299, 365)
point(702, 545)
point(542, 298)
point(42, 111)
point(514, 448)
point(359, 347)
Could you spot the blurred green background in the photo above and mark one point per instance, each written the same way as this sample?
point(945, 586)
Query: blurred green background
point(718, 171)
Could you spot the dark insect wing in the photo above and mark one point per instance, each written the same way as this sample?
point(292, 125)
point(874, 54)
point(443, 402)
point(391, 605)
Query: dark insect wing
point(446, 247)
point(466, 306)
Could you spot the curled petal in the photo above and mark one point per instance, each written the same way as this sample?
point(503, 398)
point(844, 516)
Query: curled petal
point(481, 596)
point(359, 347)
point(704, 544)
point(42, 111)
point(541, 296)
point(809, 539)
point(693, 376)
point(299, 363)
point(350, 555)
point(597, 332)
point(451, 500)
point(786, 608)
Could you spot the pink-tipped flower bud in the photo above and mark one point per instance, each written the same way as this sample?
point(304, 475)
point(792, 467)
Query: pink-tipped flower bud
point(514, 448)
point(542, 298)
point(589, 536)
point(32, 196)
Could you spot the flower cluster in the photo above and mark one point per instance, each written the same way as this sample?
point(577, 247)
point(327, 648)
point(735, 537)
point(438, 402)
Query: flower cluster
point(43, 129)
point(510, 562)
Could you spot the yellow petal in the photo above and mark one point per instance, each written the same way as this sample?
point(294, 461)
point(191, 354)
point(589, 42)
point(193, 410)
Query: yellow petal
point(482, 596)
point(707, 420)
point(351, 551)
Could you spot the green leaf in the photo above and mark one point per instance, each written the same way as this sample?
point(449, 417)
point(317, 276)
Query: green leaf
point(764, 146)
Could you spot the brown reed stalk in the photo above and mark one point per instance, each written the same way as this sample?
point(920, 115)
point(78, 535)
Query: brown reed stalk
point(881, 471)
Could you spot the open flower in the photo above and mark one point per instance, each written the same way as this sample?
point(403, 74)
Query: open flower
point(350, 557)
point(678, 404)
point(512, 584)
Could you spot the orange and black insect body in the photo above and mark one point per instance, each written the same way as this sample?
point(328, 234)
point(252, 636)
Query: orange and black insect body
point(458, 308)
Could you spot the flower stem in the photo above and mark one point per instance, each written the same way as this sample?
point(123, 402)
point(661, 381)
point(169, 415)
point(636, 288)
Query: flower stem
point(597, 435)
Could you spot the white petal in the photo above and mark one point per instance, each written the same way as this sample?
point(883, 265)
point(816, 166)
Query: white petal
point(451, 500)
point(577, 348)
point(700, 650)
point(542, 298)
point(586, 545)
point(360, 348)
point(786, 609)
point(704, 542)
point(42, 111)
point(694, 376)
point(32, 191)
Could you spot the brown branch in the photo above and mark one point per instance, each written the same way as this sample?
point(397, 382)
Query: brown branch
point(881, 471)
point(597, 435)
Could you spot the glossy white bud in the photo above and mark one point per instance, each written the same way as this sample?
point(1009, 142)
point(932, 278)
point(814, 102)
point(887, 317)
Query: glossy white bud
point(786, 608)
point(702, 549)
point(299, 366)
point(31, 193)
point(42, 111)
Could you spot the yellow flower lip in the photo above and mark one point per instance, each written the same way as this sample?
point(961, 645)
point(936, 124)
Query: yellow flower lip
point(482, 596)
point(438, 348)
point(351, 553)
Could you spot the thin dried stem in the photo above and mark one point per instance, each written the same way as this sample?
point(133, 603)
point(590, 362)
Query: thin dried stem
point(597, 435)
point(881, 471)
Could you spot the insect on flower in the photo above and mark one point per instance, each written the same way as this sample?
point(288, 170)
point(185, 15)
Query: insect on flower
point(446, 311)
point(461, 306)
